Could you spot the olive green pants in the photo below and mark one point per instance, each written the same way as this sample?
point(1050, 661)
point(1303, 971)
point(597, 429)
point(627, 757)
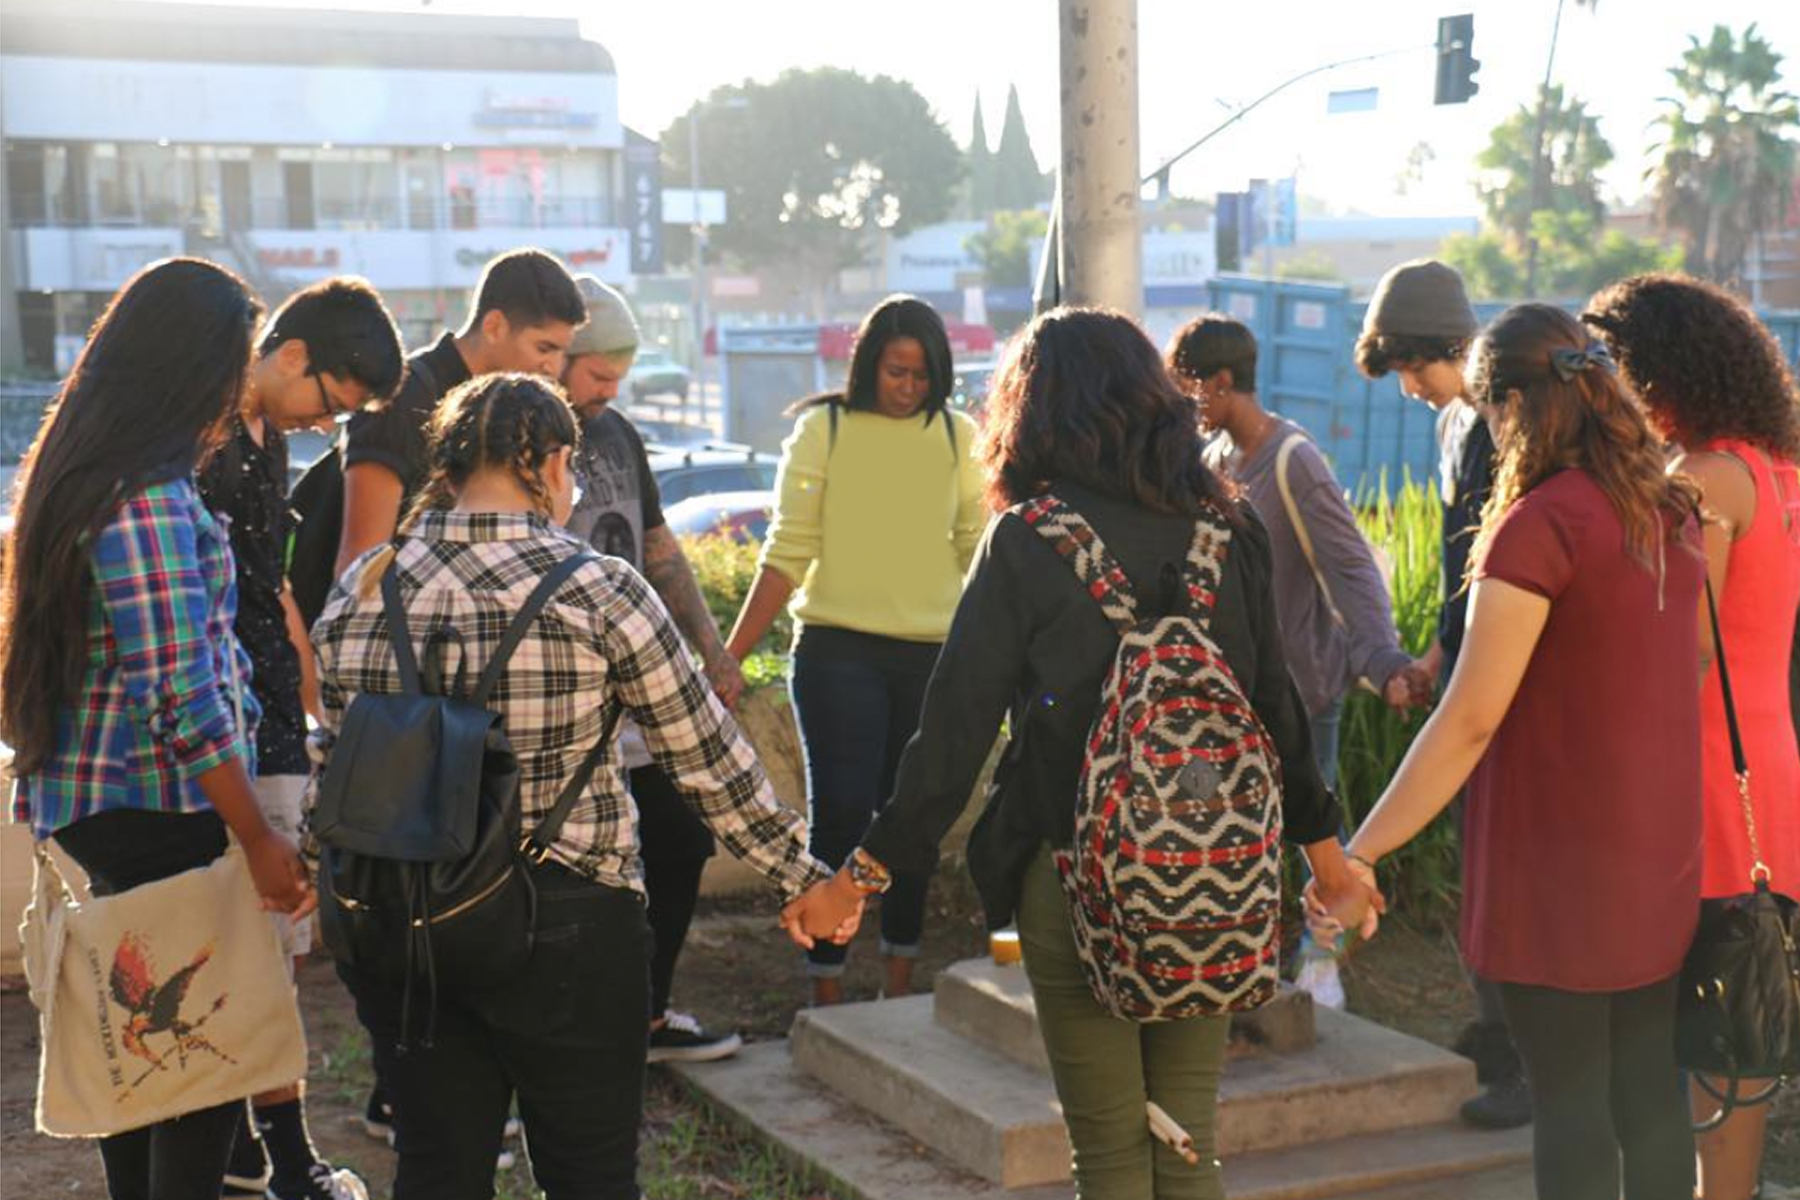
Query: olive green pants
point(1105, 1068)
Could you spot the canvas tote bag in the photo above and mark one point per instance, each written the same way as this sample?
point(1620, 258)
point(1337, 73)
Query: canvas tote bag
point(161, 1000)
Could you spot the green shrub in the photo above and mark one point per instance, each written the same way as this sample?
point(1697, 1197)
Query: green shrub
point(725, 568)
point(1424, 876)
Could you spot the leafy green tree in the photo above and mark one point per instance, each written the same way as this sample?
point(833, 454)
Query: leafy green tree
point(816, 163)
point(1575, 153)
point(1727, 153)
point(1017, 181)
point(1004, 248)
point(979, 165)
point(1575, 259)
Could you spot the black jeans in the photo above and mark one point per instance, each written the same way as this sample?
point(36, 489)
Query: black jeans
point(182, 1158)
point(567, 1038)
point(857, 699)
point(674, 844)
point(1601, 1067)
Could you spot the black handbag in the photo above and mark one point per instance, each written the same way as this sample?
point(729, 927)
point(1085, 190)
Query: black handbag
point(424, 871)
point(1738, 1006)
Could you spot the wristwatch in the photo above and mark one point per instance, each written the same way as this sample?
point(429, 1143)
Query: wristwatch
point(868, 875)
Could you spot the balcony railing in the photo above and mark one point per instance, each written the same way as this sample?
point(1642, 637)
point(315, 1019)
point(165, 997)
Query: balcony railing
point(213, 217)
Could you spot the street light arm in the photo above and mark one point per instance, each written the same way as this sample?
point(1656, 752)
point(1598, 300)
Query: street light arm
point(1245, 111)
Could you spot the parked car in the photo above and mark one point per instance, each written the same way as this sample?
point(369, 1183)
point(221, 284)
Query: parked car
point(653, 373)
point(973, 379)
point(741, 515)
point(708, 469)
point(304, 447)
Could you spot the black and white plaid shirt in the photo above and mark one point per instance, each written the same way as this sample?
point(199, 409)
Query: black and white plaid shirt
point(603, 639)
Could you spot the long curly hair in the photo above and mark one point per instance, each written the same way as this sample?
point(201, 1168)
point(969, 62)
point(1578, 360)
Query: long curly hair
point(1700, 361)
point(1083, 396)
point(1589, 422)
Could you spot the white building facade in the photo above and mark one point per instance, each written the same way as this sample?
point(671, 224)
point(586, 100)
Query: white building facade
point(291, 145)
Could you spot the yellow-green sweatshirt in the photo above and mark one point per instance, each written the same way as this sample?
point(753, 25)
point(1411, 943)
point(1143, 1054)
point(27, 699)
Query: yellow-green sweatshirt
point(877, 530)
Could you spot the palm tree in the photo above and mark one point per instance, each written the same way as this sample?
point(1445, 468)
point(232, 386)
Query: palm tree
point(1726, 157)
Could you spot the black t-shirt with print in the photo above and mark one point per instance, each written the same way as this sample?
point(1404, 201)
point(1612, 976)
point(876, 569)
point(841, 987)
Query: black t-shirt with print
point(247, 484)
point(619, 499)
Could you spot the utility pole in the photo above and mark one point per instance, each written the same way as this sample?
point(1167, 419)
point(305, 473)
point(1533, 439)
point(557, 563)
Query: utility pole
point(1100, 241)
point(1537, 157)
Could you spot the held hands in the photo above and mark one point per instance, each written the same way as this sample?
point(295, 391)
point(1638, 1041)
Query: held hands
point(1412, 686)
point(830, 909)
point(1351, 900)
point(280, 875)
point(726, 676)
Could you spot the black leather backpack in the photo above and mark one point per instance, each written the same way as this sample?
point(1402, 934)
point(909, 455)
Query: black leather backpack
point(424, 872)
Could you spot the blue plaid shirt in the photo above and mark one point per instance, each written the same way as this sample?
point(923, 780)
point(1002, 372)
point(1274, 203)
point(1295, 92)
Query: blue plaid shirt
point(157, 706)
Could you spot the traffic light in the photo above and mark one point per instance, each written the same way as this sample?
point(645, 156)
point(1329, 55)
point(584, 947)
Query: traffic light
point(1456, 64)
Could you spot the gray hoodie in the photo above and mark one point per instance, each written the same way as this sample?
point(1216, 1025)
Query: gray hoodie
point(1325, 658)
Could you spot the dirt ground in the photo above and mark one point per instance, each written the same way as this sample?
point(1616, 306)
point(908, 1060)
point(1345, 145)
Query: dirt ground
point(738, 972)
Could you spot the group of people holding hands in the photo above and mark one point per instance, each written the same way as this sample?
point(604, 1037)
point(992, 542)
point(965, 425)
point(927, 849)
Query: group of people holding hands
point(1598, 470)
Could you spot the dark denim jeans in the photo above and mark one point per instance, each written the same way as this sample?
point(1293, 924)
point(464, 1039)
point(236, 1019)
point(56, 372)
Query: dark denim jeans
point(857, 699)
point(567, 1038)
point(674, 844)
point(182, 1158)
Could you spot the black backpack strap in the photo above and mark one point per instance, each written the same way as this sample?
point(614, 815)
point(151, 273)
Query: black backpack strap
point(554, 578)
point(537, 845)
point(1080, 546)
point(831, 445)
point(398, 635)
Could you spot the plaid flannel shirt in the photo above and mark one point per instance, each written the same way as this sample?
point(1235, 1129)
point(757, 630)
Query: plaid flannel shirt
point(603, 639)
point(158, 704)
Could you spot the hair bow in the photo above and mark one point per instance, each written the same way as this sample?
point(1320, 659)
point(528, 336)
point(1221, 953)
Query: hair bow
point(1570, 363)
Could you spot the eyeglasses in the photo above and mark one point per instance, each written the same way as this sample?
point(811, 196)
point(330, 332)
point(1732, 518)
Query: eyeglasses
point(328, 405)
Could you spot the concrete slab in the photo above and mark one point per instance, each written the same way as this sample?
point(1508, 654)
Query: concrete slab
point(994, 1116)
point(993, 1006)
point(985, 1113)
point(860, 1157)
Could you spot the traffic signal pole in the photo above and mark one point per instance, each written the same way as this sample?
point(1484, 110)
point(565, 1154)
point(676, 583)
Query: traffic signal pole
point(1099, 242)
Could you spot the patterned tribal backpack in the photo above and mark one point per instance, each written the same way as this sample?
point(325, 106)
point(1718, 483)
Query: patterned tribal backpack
point(1174, 882)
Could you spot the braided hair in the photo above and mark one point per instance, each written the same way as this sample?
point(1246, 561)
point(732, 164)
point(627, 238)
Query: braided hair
point(504, 421)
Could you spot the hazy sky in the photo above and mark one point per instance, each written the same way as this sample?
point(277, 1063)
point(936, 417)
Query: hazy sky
point(1197, 57)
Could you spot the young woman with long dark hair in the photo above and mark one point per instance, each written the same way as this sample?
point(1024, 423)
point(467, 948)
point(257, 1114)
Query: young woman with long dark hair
point(1716, 386)
point(568, 1037)
point(878, 514)
point(1574, 716)
point(1083, 410)
point(121, 682)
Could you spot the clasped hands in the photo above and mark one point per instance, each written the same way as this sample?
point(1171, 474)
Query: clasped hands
point(1343, 898)
point(829, 910)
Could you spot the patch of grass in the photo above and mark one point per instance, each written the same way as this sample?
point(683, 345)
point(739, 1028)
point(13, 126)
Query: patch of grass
point(689, 1153)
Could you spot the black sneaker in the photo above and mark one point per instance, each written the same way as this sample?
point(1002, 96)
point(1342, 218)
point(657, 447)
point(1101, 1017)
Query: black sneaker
point(322, 1182)
point(1503, 1104)
point(378, 1117)
point(681, 1039)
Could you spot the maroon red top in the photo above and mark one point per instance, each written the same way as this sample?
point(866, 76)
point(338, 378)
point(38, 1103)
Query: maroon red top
point(1583, 818)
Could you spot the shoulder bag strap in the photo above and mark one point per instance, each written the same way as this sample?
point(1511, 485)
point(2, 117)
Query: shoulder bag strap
point(1299, 523)
point(1759, 870)
point(554, 578)
point(1080, 546)
point(1205, 566)
point(537, 845)
point(399, 637)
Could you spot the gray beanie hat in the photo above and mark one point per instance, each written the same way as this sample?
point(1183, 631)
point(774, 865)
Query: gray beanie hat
point(610, 328)
point(1421, 298)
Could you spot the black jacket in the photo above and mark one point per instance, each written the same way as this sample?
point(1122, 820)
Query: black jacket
point(1029, 644)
